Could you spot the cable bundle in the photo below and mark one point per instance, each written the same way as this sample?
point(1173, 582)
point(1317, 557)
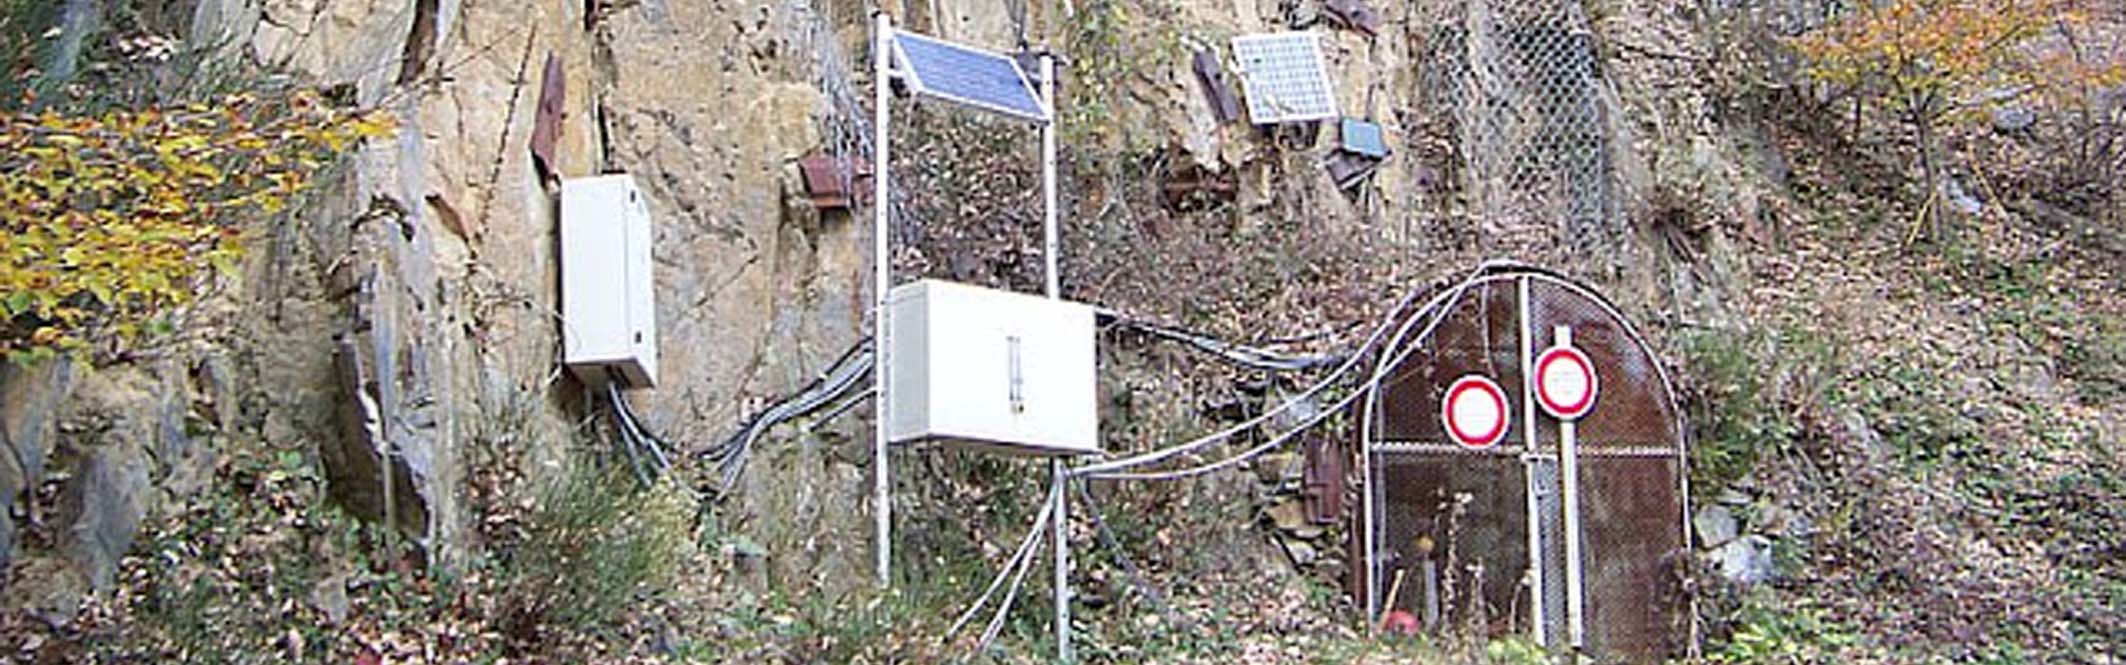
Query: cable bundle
point(1238, 354)
point(830, 386)
point(636, 441)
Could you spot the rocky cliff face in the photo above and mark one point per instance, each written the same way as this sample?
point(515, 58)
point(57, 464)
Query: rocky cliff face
point(1929, 434)
point(415, 297)
point(414, 300)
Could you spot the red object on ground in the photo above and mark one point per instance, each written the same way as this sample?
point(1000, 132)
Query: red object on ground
point(1399, 622)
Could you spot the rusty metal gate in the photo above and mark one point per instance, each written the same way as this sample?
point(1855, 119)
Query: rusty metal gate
point(1477, 538)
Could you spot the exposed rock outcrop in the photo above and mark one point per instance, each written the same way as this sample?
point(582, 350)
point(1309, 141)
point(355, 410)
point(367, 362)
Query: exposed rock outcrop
point(419, 287)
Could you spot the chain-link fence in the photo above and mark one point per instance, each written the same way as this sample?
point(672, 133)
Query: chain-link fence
point(1452, 543)
point(1521, 87)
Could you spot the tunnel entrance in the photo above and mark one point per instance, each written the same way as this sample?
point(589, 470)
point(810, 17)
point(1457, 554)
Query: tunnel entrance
point(1460, 534)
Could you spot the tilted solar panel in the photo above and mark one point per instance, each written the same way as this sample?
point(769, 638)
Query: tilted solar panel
point(963, 75)
point(1284, 78)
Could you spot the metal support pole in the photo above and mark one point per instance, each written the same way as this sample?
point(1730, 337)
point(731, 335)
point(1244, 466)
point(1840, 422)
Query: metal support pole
point(1060, 476)
point(1057, 472)
point(1365, 493)
point(1052, 247)
point(882, 281)
point(1569, 460)
point(1537, 591)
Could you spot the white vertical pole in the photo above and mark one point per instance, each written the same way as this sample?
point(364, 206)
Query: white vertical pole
point(1051, 248)
point(1057, 472)
point(1365, 493)
point(1529, 461)
point(1569, 454)
point(882, 280)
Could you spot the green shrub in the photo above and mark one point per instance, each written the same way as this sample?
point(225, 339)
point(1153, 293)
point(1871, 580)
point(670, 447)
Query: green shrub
point(1746, 388)
point(1767, 630)
point(596, 546)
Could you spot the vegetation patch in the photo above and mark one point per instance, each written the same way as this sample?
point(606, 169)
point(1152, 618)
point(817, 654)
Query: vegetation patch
point(113, 222)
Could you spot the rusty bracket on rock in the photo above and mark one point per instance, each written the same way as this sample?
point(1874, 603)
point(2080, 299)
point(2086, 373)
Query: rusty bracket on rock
point(833, 184)
point(546, 126)
point(1353, 15)
point(1224, 104)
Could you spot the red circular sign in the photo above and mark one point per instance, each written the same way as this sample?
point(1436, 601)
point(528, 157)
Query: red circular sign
point(1565, 383)
point(1474, 412)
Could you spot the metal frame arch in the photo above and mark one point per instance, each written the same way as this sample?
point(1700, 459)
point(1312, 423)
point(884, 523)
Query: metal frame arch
point(1437, 308)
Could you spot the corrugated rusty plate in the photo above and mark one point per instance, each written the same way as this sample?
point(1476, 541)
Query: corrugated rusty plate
point(1224, 104)
point(832, 184)
point(553, 106)
point(1324, 480)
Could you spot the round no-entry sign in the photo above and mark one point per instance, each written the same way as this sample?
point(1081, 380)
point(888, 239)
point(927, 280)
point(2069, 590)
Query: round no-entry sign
point(1565, 383)
point(1474, 412)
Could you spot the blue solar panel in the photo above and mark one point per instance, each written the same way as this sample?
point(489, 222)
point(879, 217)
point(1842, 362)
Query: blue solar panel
point(1364, 138)
point(974, 77)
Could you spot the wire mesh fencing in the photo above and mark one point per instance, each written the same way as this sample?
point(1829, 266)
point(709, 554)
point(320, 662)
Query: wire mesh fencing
point(1520, 86)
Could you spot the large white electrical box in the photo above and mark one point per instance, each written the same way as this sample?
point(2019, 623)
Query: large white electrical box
point(991, 369)
point(608, 304)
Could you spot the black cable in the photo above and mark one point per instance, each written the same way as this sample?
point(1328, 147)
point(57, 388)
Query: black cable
point(1238, 354)
point(1114, 547)
point(626, 441)
point(823, 390)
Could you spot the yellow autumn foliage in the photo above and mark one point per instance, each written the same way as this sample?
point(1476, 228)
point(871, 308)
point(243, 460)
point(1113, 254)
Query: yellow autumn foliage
point(1947, 59)
point(110, 224)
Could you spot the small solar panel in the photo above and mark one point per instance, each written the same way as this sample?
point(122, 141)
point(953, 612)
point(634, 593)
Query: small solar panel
point(1364, 138)
point(1284, 77)
point(963, 75)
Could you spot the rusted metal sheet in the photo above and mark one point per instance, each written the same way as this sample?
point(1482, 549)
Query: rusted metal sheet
point(1224, 104)
point(1480, 335)
point(1324, 481)
point(553, 108)
point(1353, 15)
point(1635, 557)
point(1469, 516)
point(1350, 169)
point(833, 184)
point(1633, 408)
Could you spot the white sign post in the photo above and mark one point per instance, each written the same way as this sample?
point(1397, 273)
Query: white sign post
point(1566, 387)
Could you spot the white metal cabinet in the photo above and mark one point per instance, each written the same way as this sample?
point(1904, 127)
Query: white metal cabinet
point(993, 369)
point(608, 296)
